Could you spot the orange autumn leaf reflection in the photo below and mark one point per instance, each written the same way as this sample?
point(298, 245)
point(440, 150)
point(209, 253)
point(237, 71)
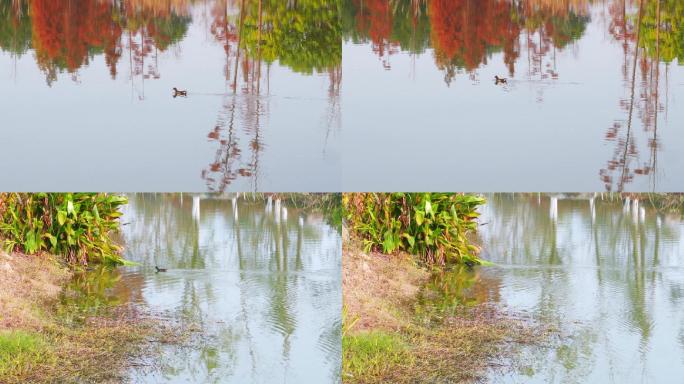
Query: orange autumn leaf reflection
point(67, 34)
point(465, 33)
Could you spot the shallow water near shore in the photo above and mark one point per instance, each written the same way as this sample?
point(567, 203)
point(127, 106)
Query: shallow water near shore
point(607, 274)
point(258, 284)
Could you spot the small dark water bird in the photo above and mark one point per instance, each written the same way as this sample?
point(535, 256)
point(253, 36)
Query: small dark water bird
point(500, 80)
point(177, 92)
point(160, 269)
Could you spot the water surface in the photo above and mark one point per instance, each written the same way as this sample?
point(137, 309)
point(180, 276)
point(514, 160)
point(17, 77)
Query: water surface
point(87, 101)
point(592, 100)
point(609, 276)
point(590, 103)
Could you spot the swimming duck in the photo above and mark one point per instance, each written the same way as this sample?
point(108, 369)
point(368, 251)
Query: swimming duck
point(160, 269)
point(177, 92)
point(500, 80)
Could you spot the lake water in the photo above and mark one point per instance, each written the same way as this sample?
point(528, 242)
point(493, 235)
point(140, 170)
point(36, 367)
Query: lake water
point(260, 284)
point(87, 103)
point(582, 110)
point(278, 91)
point(608, 275)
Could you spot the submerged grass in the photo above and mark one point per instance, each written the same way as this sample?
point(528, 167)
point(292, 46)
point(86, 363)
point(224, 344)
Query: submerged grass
point(455, 350)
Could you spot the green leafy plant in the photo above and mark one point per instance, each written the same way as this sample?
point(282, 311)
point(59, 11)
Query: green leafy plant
point(434, 226)
point(74, 225)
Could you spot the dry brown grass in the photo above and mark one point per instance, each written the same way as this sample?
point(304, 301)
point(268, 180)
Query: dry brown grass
point(376, 288)
point(27, 285)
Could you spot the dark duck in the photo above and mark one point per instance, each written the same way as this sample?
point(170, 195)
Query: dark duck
point(177, 92)
point(159, 269)
point(500, 80)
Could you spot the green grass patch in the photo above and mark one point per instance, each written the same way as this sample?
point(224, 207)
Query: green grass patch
point(21, 351)
point(373, 354)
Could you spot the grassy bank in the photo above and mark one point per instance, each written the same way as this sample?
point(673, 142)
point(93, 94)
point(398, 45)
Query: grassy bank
point(37, 345)
point(386, 340)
